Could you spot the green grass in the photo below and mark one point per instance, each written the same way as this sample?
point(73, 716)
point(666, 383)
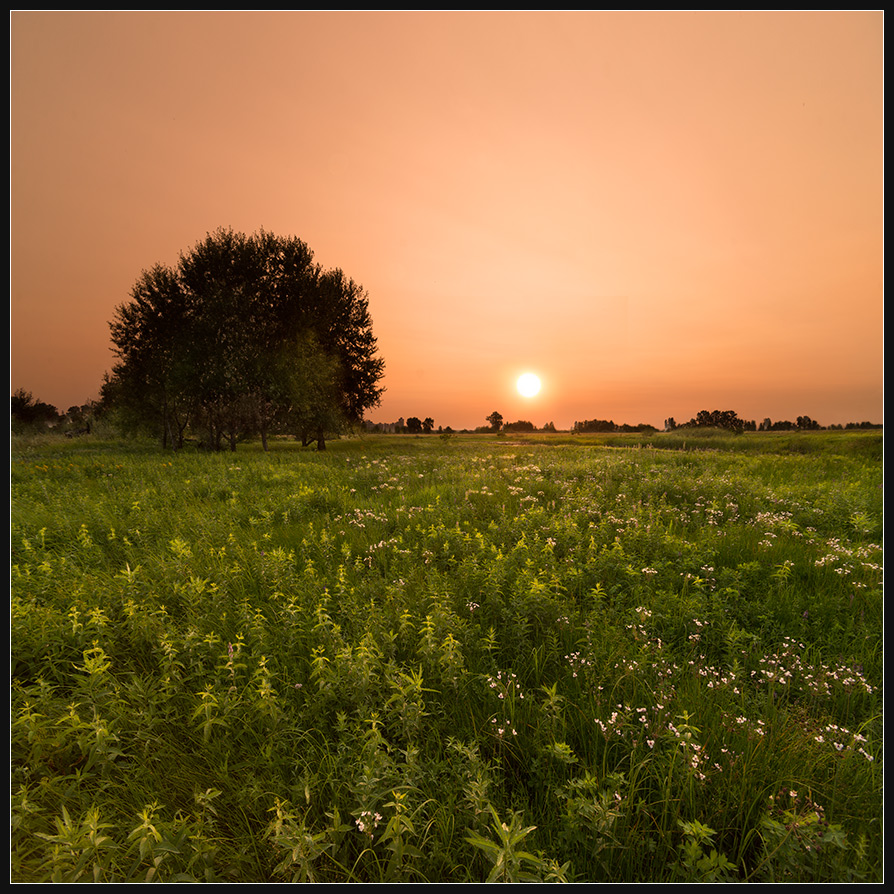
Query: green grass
point(583, 658)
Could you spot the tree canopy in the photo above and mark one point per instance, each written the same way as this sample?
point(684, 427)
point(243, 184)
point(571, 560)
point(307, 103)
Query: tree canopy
point(245, 336)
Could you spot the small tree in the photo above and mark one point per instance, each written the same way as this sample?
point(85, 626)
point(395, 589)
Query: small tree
point(26, 412)
point(495, 420)
point(726, 419)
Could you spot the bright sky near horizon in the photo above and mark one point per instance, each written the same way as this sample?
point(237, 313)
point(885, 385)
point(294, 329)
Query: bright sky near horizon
point(656, 213)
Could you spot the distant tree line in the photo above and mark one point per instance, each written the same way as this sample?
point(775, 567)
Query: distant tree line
point(725, 419)
point(607, 425)
point(496, 424)
point(803, 423)
point(27, 414)
point(852, 425)
point(413, 425)
point(521, 425)
point(416, 425)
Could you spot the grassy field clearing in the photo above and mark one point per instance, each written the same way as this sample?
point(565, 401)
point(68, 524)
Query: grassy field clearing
point(582, 658)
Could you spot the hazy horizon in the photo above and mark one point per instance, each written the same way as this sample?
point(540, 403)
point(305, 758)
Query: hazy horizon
point(656, 212)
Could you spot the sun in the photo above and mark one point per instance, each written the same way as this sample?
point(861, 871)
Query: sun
point(528, 385)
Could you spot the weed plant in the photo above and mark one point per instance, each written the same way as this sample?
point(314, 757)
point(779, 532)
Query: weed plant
point(449, 660)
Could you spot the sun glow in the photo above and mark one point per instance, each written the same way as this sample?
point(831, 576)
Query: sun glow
point(528, 385)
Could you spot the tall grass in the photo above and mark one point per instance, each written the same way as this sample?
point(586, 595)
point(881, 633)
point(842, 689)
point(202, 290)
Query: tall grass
point(448, 659)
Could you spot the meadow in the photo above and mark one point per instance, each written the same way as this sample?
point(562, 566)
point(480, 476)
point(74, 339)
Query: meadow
point(449, 659)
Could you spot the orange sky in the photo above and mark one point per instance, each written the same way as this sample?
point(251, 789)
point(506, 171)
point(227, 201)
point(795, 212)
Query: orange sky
point(656, 212)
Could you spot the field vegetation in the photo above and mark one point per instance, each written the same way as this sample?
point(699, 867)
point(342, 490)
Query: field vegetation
point(449, 659)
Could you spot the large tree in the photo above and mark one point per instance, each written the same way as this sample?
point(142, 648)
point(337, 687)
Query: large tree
point(247, 335)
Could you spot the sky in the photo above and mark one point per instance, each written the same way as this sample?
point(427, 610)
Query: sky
point(656, 213)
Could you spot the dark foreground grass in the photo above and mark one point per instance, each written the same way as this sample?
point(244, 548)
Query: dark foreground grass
point(449, 659)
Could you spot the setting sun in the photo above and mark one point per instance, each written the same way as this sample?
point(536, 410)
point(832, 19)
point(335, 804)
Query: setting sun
point(528, 385)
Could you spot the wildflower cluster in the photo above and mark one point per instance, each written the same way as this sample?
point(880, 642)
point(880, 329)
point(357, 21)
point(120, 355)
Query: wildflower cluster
point(787, 668)
point(368, 822)
point(843, 740)
point(505, 685)
point(503, 728)
point(578, 662)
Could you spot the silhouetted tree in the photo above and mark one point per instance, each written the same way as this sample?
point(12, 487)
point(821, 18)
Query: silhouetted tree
point(639, 427)
point(495, 420)
point(726, 419)
point(245, 336)
point(595, 425)
point(26, 412)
